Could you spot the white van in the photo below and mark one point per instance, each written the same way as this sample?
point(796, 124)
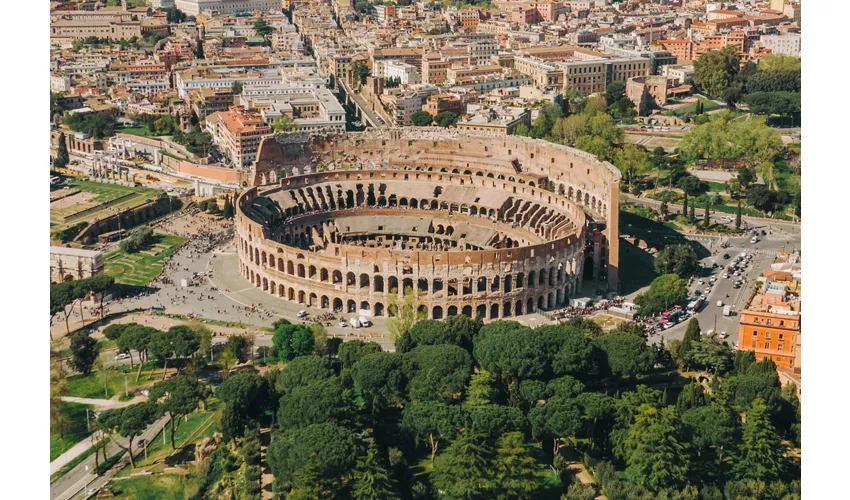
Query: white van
point(365, 321)
point(355, 323)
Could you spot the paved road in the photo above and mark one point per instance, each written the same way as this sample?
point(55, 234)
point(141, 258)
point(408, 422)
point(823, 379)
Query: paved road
point(711, 316)
point(76, 483)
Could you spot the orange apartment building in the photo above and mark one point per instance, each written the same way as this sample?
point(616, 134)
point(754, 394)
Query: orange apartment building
point(770, 325)
point(688, 50)
point(237, 132)
point(469, 18)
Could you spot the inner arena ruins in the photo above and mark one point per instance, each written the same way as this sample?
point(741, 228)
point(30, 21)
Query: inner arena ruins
point(474, 223)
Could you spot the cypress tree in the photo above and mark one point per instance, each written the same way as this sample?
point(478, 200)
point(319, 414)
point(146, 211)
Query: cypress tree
point(707, 220)
point(62, 156)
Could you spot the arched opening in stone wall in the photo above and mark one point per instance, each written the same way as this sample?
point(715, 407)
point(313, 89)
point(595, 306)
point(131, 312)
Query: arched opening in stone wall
point(437, 312)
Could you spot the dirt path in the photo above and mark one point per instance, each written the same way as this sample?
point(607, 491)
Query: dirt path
point(267, 478)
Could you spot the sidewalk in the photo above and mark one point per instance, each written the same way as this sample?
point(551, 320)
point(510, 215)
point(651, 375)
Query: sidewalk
point(75, 451)
point(81, 447)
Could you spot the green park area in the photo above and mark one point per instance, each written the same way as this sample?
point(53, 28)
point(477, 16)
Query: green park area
point(74, 417)
point(107, 192)
point(692, 108)
point(140, 268)
point(155, 487)
point(191, 429)
point(94, 200)
point(105, 384)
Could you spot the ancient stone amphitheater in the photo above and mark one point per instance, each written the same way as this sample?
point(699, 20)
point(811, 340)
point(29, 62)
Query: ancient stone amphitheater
point(472, 223)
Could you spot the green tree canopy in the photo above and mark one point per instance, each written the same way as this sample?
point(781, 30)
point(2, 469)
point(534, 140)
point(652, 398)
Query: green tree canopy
point(331, 450)
point(371, 479)
point(761, 455)
point(292, 341)
point(321, 401)
point(302, 371)
point(431, 422)
point(664, 292)
point(382, 379)
point(658, 457)
point(84, 352)
point(178, 396)
point(437, 372)
point(680, 260)
point(626, 354)
point(464, 470)
point(354, 350)
point(715, 70)
point(421, 118)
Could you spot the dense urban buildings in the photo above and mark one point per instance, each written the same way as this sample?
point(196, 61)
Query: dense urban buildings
point(509, 249)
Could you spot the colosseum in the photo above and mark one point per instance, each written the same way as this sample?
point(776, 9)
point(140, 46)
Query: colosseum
point(471, 223)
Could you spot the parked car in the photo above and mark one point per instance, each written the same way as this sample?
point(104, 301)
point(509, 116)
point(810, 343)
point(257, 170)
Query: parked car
point(723, 335)
point(122, 355)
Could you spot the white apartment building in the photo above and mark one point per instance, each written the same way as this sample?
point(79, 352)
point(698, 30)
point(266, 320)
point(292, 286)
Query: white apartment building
point(481, 52)
point(195, 7)
point(147, 86)
point(312, 110)
point(407, 73)
point(787, 44)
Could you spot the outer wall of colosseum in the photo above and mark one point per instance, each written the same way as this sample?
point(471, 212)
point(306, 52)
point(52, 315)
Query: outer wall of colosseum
point(544, 206)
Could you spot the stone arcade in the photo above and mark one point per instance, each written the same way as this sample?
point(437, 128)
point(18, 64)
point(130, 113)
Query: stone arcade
point(477, 224)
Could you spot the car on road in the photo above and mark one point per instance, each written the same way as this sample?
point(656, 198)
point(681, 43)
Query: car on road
point(707, 290)
point(122, 355)
point(141, 442)
point(723, 335)
point(754, 240)
point(302, 313)
point(725, 275)
point(725, 255)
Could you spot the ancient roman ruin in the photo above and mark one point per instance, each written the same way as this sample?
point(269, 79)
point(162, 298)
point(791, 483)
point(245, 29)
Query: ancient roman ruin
point(471, 223)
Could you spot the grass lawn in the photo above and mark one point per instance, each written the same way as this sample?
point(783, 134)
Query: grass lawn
point(716, 187)
point(107, 192)
point(141, 268)
point(691, 108)
point(155, 487)
point(89, 386)
point(76, 416)
point(198, 425)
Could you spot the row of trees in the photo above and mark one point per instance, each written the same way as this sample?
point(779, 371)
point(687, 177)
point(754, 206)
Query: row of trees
point(719, 74)
point(64, 296)
point(444, 119)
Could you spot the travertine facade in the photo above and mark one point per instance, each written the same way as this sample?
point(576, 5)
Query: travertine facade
point(477, 224)
point(68, 264)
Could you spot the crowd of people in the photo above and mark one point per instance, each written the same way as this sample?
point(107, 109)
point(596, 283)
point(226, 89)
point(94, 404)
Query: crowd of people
point(578, 311)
